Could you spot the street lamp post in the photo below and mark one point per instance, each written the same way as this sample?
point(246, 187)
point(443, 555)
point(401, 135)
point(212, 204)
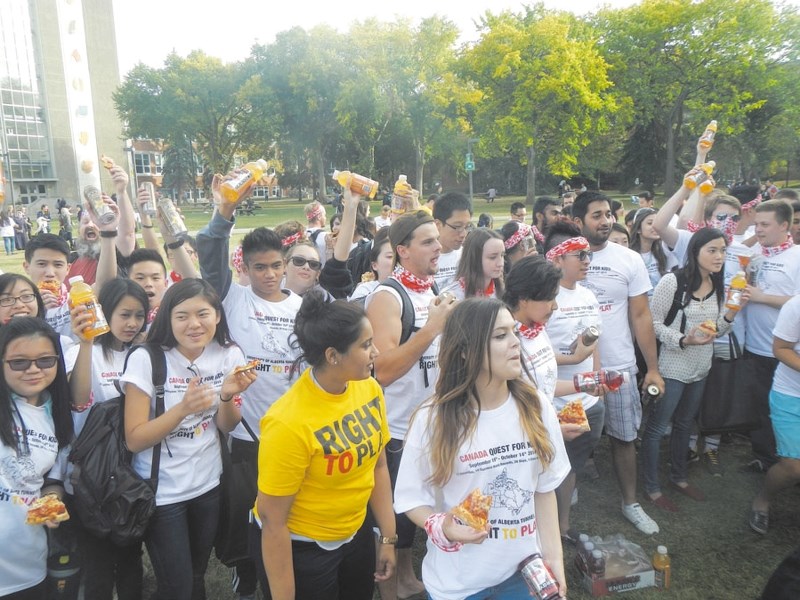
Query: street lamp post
point(469, 164)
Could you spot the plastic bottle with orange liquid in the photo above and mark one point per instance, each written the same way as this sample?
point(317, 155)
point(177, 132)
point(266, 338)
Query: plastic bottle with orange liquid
point(738, 284)
point(707, 139)
point(81, 292)
point(358, 184)
point(232, 190)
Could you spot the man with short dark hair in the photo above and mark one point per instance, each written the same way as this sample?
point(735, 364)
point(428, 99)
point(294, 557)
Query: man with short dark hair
point(646, 199)
point(518, 212)
point(452, 214)
point(619, 280)
point(546, 213)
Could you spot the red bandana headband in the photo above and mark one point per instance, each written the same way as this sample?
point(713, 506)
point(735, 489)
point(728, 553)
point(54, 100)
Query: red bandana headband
point(315, 214)
point(238, 259)
point(524, 230)
point(292, 239)
point(576, 243)
point(748, 206)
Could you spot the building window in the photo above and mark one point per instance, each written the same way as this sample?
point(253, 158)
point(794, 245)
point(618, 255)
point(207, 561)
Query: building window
point(260, 191)
point(147, 163)
point(30, 193)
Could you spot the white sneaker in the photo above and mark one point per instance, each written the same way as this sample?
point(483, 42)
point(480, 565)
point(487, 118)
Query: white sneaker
point(574, 500)
point(636, 515)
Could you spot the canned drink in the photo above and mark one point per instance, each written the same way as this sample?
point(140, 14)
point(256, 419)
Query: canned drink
point(99, 209)
point(651, 393)
point(537, 576)
point(149, 207)
point(589, 336)
point(171, 219)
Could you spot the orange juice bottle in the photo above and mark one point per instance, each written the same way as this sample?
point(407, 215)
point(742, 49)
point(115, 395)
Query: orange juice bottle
point(734, 299)
point(358, 184)
point(233, 189)
point(707, 139)
point(703, 173)
point(81, 292)
point(662, 567)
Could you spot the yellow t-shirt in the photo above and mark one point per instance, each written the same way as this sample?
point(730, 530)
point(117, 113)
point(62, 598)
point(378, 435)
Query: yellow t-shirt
point(323, 448)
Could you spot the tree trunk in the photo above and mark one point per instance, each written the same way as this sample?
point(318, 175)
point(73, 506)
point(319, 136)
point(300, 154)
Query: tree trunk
point(320, 163)
point(530, 196)
point(675, 120)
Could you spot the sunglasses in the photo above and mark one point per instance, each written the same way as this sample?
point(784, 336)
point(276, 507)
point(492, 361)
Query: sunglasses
point(583, 255)
point(299, 261)
point(722, 217)
point(23, 364)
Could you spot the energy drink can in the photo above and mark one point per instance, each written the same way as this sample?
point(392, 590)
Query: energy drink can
point(537, 576)
point(149, 207)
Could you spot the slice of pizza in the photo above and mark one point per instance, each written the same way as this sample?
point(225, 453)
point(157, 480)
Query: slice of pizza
point(248, 367)
point(573, 414)
point(46, 508)
point(474, 510)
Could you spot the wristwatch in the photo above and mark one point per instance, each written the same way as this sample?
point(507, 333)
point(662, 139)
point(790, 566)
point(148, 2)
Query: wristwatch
point(382, 539)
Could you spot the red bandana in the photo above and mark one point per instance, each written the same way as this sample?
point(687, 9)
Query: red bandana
point(292, 239)
point(487, 293)
point(576, 243)
point(775, 250)
point(748, 206)
point(237, 259)
point(530, 332)
point(728, 227)
point(411, 281)
point(62, 297)
point(175, 277)
point(152, 315)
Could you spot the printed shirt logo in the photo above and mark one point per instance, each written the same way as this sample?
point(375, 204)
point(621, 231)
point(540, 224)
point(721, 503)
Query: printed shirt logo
point(348, 441)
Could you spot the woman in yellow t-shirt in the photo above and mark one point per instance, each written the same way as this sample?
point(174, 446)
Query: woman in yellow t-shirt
point(321, 462)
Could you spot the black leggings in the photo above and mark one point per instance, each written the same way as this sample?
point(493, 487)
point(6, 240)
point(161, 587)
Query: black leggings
point(347, 573)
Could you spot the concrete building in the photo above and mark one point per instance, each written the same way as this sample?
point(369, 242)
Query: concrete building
point(58, 71)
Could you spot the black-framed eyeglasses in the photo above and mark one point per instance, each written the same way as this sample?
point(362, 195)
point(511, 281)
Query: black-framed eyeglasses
point(23, 364)
point(583, 255)
point(12, 300)
point(460, 228)
point(722, 217)
point(299, 261)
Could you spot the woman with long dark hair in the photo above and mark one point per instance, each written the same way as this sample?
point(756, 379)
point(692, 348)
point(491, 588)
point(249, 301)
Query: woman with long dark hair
point(646, 241)
point(486, 428)
point(199, 393)
point(35, 424)
point(321, 461)
point(685, 357)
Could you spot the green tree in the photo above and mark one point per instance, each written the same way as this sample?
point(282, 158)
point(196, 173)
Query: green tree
point(179, 169)
point(544, 89)
point(684, 62)
point(197, 98)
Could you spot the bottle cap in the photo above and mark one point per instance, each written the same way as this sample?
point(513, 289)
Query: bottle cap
point(76, 279)
point(588, 546)
point(583, 538)
point(653, 390)
point(662, 549)
point(597, 554)
point(263, 165)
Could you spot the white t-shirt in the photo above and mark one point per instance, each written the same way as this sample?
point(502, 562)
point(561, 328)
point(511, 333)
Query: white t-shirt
point(363, 289)
point(787, 327)
point(191, 464)
point(776, 276)
point(651, 264)
point(320, 242)
point(58, 319)
point(415, 386)
point(577, 310)
point(539, 360)
point(498, 459)
point(448, 265)
point(262, 329)
point(615, 275)
point(23, 561)
point(381, 222)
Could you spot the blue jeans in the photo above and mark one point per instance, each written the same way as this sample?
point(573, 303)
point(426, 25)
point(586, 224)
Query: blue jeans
point(179, 540)
point(9, 244)
point(513, 588)
point(680, 405)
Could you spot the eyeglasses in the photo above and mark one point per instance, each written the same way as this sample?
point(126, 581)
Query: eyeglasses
point(583, 255)
point(23, 364)
point(299, 261)
point(460, 228)
point(12, 300)
point(722, 217)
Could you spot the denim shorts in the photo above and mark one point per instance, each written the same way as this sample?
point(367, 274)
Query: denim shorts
point(784, 412)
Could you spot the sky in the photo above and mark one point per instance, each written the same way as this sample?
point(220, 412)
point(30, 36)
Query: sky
point(148, 30)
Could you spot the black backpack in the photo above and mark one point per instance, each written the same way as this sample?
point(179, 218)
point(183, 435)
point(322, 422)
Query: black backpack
point(110, 498)
point(358, 261)
point(680, 300)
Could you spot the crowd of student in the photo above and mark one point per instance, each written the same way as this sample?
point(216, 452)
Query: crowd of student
point(369, 419)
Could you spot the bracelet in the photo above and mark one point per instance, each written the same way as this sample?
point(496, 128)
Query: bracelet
point(221, 399)
point(724, 318)
point(147, 226)
point(680, 343)
point(109, 234)
point(175, 245)
point(433, 527)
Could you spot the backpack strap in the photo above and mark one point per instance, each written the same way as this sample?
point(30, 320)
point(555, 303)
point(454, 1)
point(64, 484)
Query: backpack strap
point(407, 316)
point(680, 300)
point(158, 360)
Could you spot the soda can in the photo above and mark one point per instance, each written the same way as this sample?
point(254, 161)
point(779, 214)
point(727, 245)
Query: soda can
point(95, 204)
point(589, 335)
point(171, 218)
point(149, 207)
point(651, 393)
point(539, 579)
